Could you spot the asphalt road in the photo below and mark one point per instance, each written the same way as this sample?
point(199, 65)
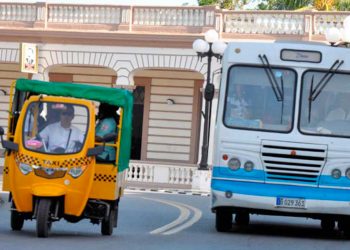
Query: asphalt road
point(172, 221)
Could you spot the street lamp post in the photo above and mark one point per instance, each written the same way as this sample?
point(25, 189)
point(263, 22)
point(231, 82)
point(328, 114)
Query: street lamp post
point(209, 47)
point(339, 37)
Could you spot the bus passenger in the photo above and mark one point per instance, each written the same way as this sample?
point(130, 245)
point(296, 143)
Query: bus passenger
point(341, 111)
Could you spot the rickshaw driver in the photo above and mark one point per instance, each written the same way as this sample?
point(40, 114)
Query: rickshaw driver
point(61, 136)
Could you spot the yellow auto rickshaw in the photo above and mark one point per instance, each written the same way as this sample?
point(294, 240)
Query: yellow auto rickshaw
point(51, 169)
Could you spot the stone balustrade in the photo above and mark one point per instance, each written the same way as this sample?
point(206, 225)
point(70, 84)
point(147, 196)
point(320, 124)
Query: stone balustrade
point(165, 16)
point(87, 14)
point(18, 12)
point(137, 18)
point(266, 23)
point(160, 173)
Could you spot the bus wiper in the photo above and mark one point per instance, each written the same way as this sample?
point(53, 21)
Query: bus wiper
point(282, 85)
point(325, 79)
point(310, 98)
point(272, 79)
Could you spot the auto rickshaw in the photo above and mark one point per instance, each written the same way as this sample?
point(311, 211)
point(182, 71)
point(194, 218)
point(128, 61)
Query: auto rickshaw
point(47, 183)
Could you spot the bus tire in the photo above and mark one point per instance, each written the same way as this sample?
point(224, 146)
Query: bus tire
point(107, 224)
point(327, 224)
point(242, 219)
point(223, 222)
point(43, 222)
point(344, 226)
point(17, 220)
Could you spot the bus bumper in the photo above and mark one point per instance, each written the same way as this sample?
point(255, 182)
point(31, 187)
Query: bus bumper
point(262, 198)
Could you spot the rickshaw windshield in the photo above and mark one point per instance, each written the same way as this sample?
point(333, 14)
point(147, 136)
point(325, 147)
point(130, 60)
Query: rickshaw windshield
point(55, 128)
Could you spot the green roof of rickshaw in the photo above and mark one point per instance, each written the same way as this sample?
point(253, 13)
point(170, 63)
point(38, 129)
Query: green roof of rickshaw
point(113, 96)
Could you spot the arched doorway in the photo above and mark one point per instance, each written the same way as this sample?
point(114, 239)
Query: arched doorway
point(167, 115)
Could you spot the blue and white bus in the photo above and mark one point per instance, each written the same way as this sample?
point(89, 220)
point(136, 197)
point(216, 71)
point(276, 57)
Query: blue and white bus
point(282, 135)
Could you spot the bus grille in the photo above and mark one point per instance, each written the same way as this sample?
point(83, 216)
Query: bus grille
point(293, 162)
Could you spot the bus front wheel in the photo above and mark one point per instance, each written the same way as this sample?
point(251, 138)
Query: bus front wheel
point(327, 225)
point(242, 219)
point(223, 221)
point(344, 225)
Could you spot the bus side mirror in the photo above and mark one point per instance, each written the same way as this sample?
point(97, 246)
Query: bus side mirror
point(7, 144)
point(95, 151)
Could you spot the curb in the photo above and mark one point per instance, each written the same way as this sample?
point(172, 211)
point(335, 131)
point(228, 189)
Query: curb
point(170, 191)
point(4, 196)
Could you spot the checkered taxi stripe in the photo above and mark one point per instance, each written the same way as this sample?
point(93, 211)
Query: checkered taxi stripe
point(52, 169)
point(27, 159)
point(74, 162)
point(105, 178)
point(82, 161)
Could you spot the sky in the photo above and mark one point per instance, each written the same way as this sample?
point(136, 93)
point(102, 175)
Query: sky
point(115, 2)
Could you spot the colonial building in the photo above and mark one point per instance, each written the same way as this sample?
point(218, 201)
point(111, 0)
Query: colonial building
point(149, 51)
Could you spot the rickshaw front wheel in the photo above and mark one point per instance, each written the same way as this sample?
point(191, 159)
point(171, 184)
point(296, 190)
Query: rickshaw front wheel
point(17, 220)
point(108, 223)
point(43, 222)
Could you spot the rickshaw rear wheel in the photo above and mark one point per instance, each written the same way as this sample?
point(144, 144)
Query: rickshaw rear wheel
point(108, 223)
point(17, 220)
point(43, 223)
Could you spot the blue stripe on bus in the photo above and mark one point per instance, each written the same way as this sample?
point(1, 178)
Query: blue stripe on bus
point(259, 175)
point(225, 172)
point(276, 190)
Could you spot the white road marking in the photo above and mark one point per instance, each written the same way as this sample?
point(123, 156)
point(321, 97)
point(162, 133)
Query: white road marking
point(196, 217)
point(179, 224)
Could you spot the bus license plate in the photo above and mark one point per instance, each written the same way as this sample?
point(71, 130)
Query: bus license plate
point(290, 202)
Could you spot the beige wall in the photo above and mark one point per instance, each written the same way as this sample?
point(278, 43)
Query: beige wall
point(83, 74)
point(8, 73)
point(171, 131)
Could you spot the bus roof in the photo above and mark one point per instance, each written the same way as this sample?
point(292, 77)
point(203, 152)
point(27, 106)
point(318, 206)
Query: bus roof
point(243, 52)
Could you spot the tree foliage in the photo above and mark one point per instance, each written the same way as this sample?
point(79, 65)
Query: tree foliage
point(283, 4)
point(224, 4)
point(342, 5)
point(323, 4)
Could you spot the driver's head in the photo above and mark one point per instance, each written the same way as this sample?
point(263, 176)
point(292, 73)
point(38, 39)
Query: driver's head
point(67, 115)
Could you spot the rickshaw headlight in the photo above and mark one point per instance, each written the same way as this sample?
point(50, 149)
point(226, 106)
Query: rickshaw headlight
point(25, 168)
point(75, 172)
point(336, 173)
point(248, 166)
point(347, 173)
point(234, 164)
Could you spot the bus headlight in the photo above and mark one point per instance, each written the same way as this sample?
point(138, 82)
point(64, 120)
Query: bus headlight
point(248, 166)
point(347, 173)
point(234, 163)
point(25, 168)
point(336, 173)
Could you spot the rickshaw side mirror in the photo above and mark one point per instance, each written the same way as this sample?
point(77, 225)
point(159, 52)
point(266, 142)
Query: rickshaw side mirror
point(7, 144)
point(110, 137)
point(95, 151)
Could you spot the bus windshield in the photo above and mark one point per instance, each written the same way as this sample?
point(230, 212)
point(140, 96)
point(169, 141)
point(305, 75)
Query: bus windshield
point(328, 113)
point(251, 101)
